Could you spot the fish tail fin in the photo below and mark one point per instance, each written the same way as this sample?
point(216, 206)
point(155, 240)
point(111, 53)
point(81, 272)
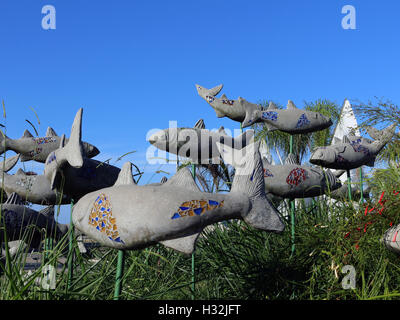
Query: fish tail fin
point(382, 136)
point(249, 179)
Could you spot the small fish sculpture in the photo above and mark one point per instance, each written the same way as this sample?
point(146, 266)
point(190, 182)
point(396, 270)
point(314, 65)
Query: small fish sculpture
point(293, 180)
point(17, 218)
point(70, 172)
point(198, 143)
point(29, 186)
point(128, 216)
point(290, 120)
point(352, 153)
point(38, 149)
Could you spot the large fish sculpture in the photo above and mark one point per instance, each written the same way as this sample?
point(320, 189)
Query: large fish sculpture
point(292, 180)
point(30, 186)
point(128, 216)
point(353, 153)
point(290, 120)
point(198, 143)
point(70, 172)
point(38, 149)
point(17, 218)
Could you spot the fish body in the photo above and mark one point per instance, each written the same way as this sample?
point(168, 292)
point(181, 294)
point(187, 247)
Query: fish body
point(290, 120)
point(196, 143)
point(293, 180)
point(127, 216)
point(351, 153)
point(17, 218)
point(39, 148)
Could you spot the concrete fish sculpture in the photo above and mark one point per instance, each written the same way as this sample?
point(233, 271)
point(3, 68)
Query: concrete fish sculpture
point(29, 186)
point(69, 171)
point(290, 120)
point(198, 143)
point(291, 180)
point(128, 216)
point(38, 149)
point(16, 218)
point(224, 107)
point(353, 153)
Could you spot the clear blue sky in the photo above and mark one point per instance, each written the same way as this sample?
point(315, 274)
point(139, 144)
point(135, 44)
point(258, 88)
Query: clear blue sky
point(132, 65)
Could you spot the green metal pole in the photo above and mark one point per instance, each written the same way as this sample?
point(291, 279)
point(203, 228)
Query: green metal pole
point(292, 206)
point(70, 250)
point(119, 274)
point(361, 186)
point(193, 266)
point(349, 183)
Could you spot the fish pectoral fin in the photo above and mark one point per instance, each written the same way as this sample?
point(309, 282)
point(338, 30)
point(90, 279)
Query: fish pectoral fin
point(27, 134)
point(219, 114)
point(50, 132)
point(183, 178)
point(371, 163)
point(184, 245)
point(270, 127)
point(24, 158)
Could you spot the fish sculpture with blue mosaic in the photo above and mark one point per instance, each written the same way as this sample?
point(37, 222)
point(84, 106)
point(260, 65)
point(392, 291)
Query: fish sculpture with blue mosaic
point(352, 152)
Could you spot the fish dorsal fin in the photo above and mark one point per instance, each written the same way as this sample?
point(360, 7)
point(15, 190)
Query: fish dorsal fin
point(183, 178)
point(291, 159)
point(214, 91)
point(20, 172)
point(221, 130)
point(163, 180)
point(272, 106)
point(125, 175)
point(50, 132)
point(184, 245)
point(200, 124)
point(48, 211)
point(291, 105)
point(345, 139)
point(224, 97)
point(14, 198)
point(27, 134)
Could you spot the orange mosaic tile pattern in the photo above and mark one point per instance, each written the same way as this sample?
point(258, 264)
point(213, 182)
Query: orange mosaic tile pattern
point(196, 208)
point(102, 219)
